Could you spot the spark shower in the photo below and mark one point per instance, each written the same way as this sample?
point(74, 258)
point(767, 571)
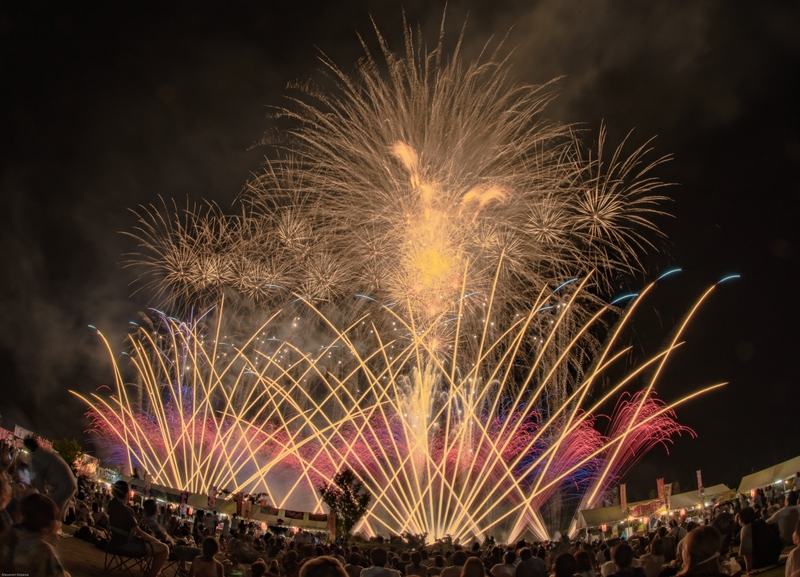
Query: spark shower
point(425, 253)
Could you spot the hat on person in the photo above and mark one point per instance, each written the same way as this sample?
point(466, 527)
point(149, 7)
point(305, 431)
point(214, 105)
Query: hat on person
point(120, 489)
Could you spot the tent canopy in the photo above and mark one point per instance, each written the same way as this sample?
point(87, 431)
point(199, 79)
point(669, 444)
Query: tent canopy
point(769, 476)
point(596, 517)
point(787, 468)
point(692, 498)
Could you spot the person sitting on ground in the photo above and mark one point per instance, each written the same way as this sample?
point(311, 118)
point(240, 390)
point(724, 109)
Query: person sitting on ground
point(584, 564)
point(51, 475)
point(607, 566)
point(564, 565)
point(787, 517)
point(353, 567)
point(690, 526)
point(622, 556)
point(530, 565)
point(436, 567)
point(507, 568)
point(760, 544)
point(416, 567)
point(473, 567)
point(206, 565)
point(5, 499)
point(401, 562)
point(793, 559)
point(289, 562)
point(27, 549)
point(493, 557)
point(323, 566)
point(426, 560)
point(701, 555)
point(600, 557)
point(258, 569)
point(83, 513)
point(458, 559)
point(99, 517)
point(379, 558)
point(653, 561)
point(127, 537)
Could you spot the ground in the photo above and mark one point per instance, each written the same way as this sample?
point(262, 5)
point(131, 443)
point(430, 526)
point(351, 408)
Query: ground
point(79, 558)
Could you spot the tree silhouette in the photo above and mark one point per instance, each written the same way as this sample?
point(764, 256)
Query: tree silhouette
point(347, 498)
point(69, 449)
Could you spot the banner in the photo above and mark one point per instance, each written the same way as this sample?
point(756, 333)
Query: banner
point(263, 501)
point(331, 526)
point(667, 495)
point(646, 509)
point(268, 510)
point(247, 509)
point(212, 496)
point(660, 488)
point(623, 498)
point(727, 496)
point(700, 484)
point(239, 503)
point(147, 485)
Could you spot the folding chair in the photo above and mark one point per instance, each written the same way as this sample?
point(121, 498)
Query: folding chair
point(173, 564)
point(125, 561)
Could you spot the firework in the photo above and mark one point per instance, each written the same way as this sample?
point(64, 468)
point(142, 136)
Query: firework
point(394, 180)
point(425, 252)
point(446, 447)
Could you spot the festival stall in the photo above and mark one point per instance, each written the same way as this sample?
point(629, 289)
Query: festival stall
point(774, 475)
point(269, 516)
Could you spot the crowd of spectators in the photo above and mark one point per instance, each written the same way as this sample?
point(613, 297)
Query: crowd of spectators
point(737, 536)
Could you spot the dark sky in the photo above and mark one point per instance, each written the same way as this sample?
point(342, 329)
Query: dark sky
point(107, 105)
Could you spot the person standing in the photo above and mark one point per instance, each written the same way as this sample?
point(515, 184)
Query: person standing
point(793, 559)
point(51, 475)
point(787, 518)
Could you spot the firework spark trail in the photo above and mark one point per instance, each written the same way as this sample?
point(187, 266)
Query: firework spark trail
point(408, 234)
point(395, 178)
point(441, 451)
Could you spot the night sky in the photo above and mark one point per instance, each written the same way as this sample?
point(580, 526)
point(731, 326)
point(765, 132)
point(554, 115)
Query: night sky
point(108, 105)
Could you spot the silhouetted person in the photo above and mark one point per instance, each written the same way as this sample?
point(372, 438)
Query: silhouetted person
point(51, 475)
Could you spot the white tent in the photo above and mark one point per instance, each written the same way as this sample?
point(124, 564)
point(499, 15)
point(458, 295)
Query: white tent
point(692, 498)
point(788, 468)
point(769, 476)
point(603, 515)
point(606, 515)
